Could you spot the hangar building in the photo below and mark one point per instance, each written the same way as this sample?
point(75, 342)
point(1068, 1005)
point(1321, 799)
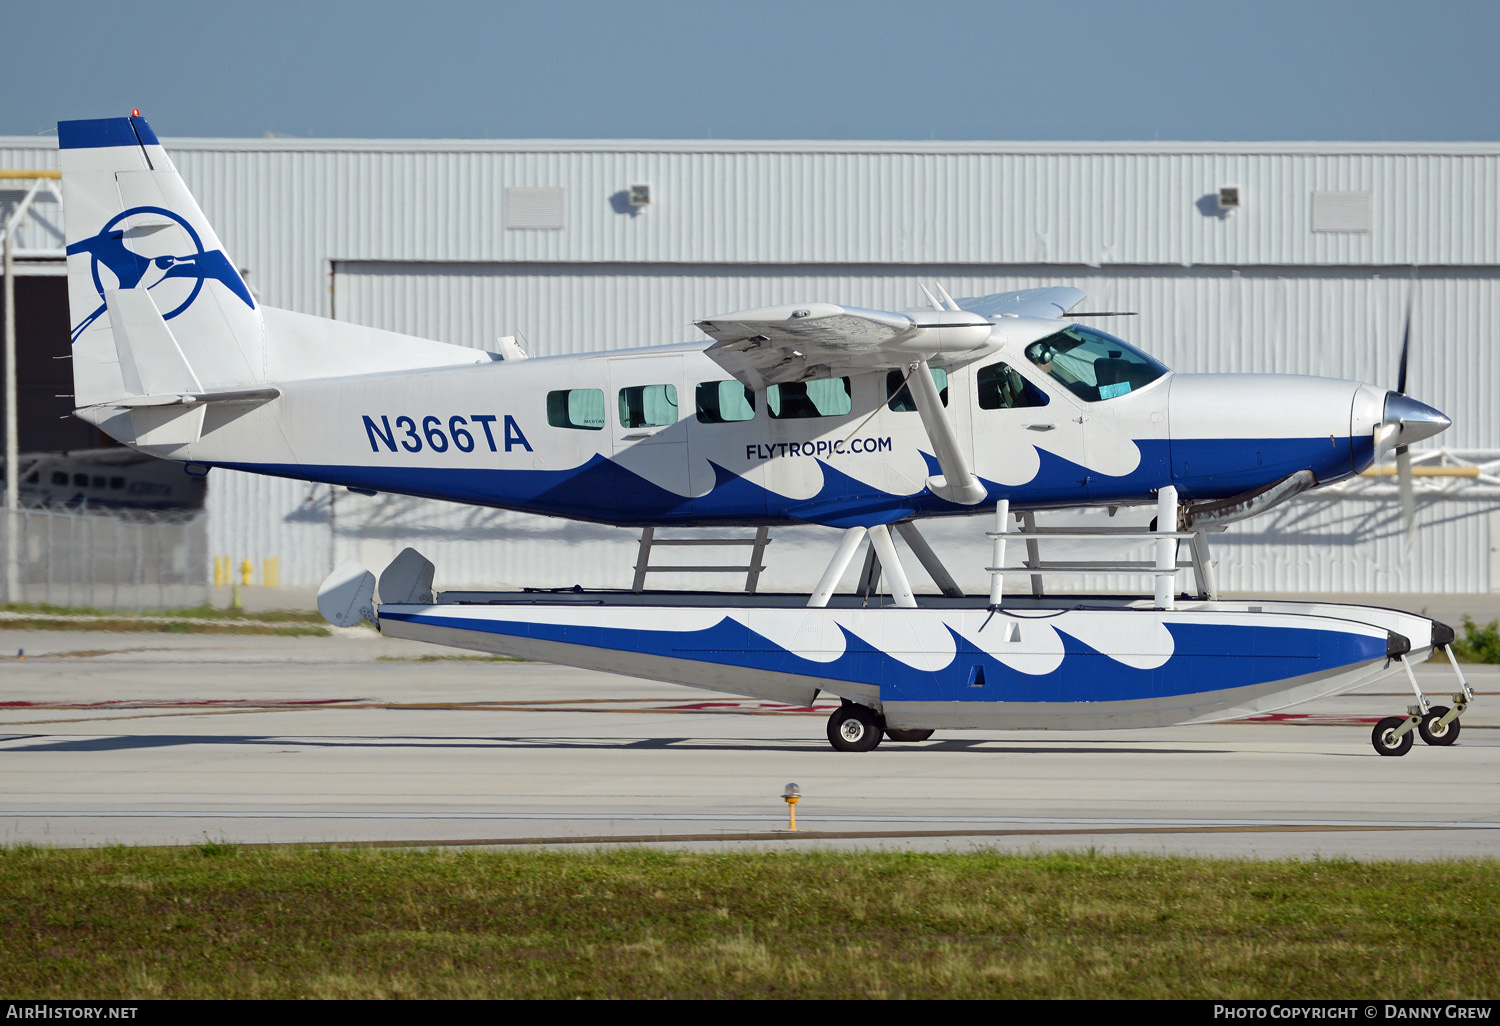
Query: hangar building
point(1293, 257)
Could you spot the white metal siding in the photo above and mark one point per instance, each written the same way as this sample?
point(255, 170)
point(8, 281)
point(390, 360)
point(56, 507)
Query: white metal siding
point(284, 208)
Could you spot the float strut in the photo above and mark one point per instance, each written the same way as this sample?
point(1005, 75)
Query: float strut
point(1166, 548)
point(848, 545)
point(890, 563)
point(929, 560)
point(997, 557)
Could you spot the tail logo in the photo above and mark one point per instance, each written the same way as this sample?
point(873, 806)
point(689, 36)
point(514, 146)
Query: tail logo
point(180, 278)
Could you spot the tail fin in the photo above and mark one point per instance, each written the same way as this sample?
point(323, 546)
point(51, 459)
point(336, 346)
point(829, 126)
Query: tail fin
point(133, 227)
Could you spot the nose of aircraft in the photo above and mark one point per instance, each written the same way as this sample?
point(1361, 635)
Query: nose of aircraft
point(1414, 420)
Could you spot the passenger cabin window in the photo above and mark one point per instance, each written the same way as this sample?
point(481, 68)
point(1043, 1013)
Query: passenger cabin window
point(116, 484)
point(823, 397)
point(721, 402)
point(80, 480)
point(1001, 387)
point(580, 408)
point(899, 390)
point(1093, 365)
point(648, 406)
point(59, 477)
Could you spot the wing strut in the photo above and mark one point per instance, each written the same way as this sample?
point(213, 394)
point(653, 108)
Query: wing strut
point(957, 482)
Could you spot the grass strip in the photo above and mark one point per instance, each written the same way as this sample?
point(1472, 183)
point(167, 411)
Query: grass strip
point(218, 921)
point(195, 620)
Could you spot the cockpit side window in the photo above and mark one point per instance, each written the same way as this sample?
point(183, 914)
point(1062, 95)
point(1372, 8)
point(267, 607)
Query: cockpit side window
point(1093, 365)
point(1001, 387)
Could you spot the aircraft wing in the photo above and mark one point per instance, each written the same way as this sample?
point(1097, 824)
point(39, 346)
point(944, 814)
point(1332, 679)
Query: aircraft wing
point(1051, 302)
point(791, 343)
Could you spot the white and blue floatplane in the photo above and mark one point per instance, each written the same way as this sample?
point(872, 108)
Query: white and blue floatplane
point(864, 421)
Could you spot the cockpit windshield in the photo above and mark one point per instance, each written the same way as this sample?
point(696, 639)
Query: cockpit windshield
point(1092, 364)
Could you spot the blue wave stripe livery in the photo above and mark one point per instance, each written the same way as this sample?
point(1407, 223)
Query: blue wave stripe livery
point(603, 491)
point(1206, 658)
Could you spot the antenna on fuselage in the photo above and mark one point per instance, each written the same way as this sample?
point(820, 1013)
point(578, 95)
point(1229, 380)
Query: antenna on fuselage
point(931, 299)
point(947, 299)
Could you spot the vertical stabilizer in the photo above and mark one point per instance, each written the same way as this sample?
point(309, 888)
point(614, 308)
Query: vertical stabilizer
point(132, 225)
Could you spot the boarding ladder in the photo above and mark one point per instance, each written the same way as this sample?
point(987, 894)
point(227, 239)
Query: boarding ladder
point(752, 570)
point(1164, 569)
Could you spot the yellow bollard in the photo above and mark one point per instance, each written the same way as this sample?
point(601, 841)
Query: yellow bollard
point(791, 796)
point(247, 570)
point(221, 571)
point(270, 572)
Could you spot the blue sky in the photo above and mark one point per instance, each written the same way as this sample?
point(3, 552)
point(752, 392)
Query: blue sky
point(764, 69)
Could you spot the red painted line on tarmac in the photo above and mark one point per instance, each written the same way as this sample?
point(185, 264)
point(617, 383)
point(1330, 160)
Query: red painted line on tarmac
point(748, 705)
point(1312, 719)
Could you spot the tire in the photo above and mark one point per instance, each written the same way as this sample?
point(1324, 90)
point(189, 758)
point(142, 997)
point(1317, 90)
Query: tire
point(1432, 733)
point(900, 734)
point(854, 728)
point(1379, 737)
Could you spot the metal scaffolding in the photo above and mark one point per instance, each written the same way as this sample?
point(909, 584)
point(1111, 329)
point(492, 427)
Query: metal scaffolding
point(10, 553)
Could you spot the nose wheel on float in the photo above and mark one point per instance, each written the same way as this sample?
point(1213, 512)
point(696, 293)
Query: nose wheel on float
point(1437, 724)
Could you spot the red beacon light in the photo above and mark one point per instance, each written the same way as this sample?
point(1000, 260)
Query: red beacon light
point(135, 112)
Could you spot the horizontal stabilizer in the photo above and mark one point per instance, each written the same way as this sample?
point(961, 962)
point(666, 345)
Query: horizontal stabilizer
point(221, 397)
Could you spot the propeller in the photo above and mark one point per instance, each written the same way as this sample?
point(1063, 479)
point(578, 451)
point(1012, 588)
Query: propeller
point(1405, 420)
point(1403, 458)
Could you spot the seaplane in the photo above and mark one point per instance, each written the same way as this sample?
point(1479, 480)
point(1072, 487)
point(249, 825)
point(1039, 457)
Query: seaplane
point(866, 422)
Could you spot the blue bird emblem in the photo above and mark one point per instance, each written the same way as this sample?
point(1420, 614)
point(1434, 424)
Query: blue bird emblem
point(129, 268)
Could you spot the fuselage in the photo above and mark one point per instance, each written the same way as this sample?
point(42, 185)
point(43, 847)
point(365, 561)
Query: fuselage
point(663, 435)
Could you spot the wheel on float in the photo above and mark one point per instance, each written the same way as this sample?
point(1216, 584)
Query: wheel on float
point(900, 734)
point(1384, 739)
point(854, 728)
point(1434, 734)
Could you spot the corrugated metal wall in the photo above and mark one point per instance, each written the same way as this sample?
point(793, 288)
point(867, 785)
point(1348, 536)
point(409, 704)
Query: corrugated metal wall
point(287, 207)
